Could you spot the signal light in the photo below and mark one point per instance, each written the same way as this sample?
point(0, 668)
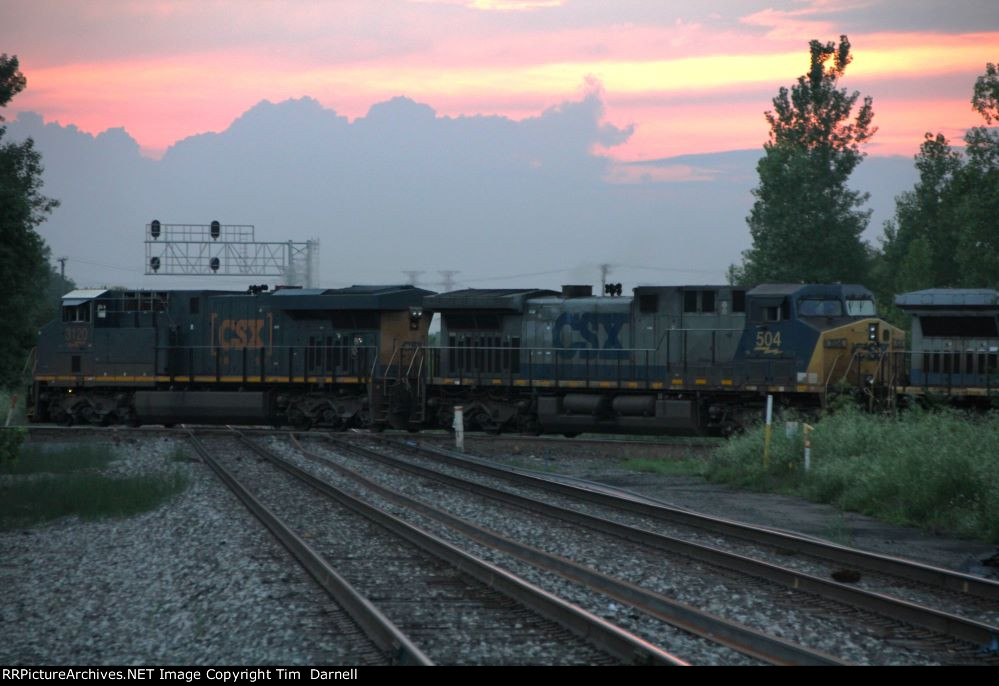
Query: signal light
point(216, 230)
point(214, 264)
point(154, 264)
point(154, 229)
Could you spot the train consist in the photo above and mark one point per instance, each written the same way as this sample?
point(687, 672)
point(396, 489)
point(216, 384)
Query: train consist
point(695, 359)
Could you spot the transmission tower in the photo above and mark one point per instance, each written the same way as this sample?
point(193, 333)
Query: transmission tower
point(447, 279)
point(413, 275)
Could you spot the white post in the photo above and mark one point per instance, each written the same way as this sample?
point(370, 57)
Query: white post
point(459, 428)
point(767, 431)
point(808, 446)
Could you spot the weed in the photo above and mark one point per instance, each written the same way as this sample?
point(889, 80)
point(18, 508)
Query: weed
point(935, 470)
point(89, 496)
point(64, 459)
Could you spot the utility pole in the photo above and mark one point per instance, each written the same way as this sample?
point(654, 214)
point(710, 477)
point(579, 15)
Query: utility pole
point(604, 271)
point(62, 267)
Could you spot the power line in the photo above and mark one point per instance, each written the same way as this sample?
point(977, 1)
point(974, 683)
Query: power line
point(669, 269)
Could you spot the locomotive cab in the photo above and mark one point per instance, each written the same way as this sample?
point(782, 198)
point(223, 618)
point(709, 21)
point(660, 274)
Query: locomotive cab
point(810, 337)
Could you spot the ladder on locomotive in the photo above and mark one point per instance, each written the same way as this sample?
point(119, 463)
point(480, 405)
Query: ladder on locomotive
point(398, 392)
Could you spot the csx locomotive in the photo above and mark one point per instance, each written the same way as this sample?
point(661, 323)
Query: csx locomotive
point(666, 359)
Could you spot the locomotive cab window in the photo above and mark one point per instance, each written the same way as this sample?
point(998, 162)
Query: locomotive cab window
point(820, 307)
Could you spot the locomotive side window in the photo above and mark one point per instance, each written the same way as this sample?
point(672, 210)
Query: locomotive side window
point(195, 306)
point(738, 301)
point(770, 311)
point(707, 301)
point(77, 314)
point(648, 303)
point(960, 327)
point(690, 301)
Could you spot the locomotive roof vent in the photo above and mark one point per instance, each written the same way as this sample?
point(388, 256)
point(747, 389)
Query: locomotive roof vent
point(575, 291)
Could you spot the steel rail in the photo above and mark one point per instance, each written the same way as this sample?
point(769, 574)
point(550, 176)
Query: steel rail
point(378, 628)
point(884, 564)
point(732, 634)
point(977, 633)
point(600, 633)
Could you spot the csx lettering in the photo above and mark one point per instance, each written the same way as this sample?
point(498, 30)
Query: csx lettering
point(587, 326)
point(241, 333)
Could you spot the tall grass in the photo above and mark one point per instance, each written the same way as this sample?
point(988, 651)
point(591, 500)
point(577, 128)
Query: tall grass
point(89, 496)
point(935, 470)
point(49, 482)
point(34, 458)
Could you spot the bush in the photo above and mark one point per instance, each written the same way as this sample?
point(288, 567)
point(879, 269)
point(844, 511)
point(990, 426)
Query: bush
point(935, 470)
point(10, 444)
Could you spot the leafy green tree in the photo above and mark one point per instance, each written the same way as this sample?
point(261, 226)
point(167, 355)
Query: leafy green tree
point(978, 189)
point(946, 229)
point(919, 243)
point(24, 268)
point(806, 223)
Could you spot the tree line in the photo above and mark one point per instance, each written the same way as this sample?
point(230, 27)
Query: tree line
point(806, 223)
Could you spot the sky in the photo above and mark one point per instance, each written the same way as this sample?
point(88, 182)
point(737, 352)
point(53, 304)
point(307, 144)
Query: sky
point(686, 77)
point(520, 143)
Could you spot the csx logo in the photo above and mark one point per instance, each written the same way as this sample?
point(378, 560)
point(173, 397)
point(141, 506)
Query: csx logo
point(241, 333)
point(588, 327)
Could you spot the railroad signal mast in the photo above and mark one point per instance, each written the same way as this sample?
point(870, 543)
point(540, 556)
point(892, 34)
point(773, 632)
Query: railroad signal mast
point(228, 250)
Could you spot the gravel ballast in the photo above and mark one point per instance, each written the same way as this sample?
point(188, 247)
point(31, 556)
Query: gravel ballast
point(196, 581)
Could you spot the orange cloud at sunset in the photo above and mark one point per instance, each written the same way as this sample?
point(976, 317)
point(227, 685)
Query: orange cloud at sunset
point(698, 83)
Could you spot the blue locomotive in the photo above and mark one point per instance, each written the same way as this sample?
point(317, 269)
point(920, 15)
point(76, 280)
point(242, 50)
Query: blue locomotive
point(291, 356)
point(667, 359)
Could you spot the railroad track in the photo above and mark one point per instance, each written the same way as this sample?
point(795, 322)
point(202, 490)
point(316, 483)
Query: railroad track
point(388, 641)
point(454, 607)
point(924, 615)
point(960, 628)
point(733, 635)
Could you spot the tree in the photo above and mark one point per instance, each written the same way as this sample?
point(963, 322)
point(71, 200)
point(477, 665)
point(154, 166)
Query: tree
point(24, 268)
point(978, 188)
point(946, 229)
point(806, 223)
point(919, 244)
